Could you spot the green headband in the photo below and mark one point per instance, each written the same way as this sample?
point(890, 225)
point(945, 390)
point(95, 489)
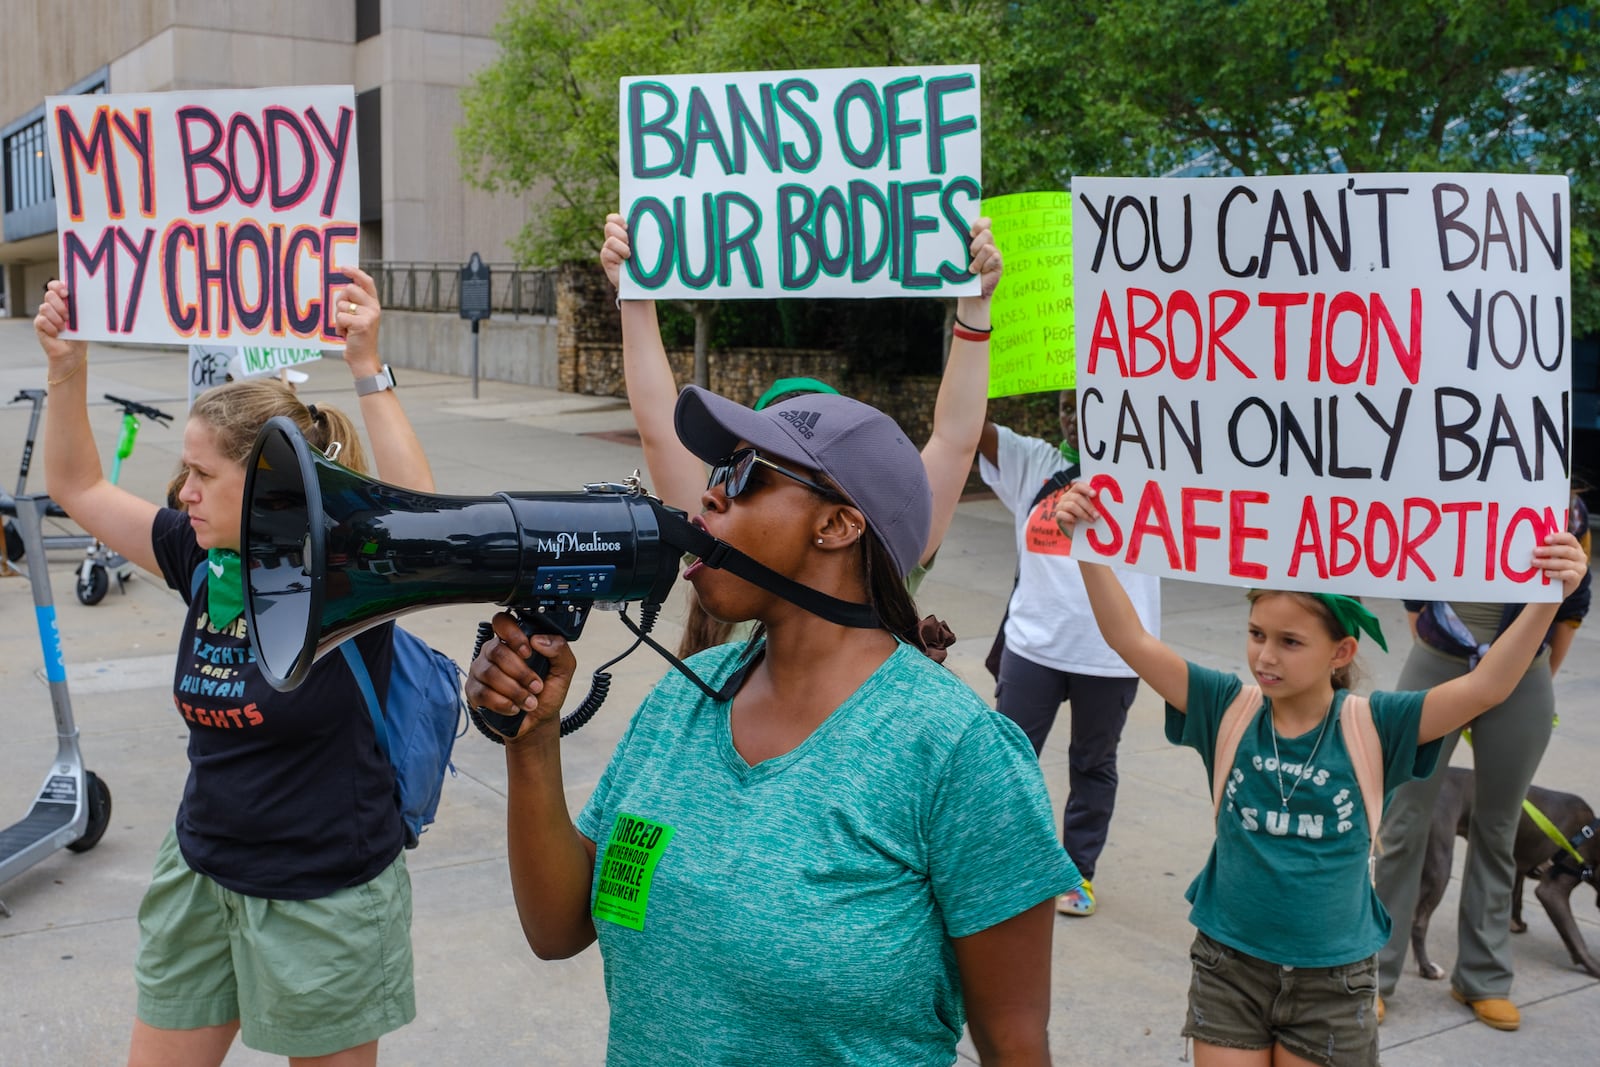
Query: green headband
point(785, 386)
point(1352, 616)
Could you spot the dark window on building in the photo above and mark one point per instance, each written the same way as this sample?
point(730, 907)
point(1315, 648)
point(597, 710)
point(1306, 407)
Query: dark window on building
point(369, 152)
point(29, 207)
point(369, 19)
point(27, 167)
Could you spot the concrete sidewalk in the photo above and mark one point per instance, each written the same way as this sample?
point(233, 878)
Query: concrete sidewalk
point(1120, 977)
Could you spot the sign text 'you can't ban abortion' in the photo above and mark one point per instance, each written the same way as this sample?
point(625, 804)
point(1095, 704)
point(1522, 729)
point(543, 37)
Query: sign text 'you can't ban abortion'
point(206, 215)
point(857, 182)
point(1327, 382)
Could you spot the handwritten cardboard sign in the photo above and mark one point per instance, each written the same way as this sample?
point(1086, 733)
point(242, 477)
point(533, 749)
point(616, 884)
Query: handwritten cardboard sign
point(1031, 349)
point(224, 216)
point(1339, 383)
point(858, 182)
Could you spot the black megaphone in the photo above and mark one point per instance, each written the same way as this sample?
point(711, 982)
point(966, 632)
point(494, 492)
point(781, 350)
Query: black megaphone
point(328, 552)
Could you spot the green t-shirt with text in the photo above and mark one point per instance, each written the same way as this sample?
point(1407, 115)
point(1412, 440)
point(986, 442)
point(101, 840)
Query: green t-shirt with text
point(801, 911)
point(1292, 886)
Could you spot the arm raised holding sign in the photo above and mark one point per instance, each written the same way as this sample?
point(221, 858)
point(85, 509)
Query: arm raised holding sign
point(679, 478)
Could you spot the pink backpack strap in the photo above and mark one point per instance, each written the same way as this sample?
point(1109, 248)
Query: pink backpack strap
point(1361, 740)
point(1234, 720)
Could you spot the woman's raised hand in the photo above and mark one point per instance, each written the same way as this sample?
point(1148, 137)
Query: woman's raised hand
point(501, 680)
point(356, 313)
point(65, 354)
point(615, 249)
point(985, 259)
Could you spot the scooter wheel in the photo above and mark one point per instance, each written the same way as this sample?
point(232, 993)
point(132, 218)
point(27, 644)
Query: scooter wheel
point(92, 590)
point(99, 813)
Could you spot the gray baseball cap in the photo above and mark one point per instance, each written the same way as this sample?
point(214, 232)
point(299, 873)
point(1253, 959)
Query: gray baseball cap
point(862, 450)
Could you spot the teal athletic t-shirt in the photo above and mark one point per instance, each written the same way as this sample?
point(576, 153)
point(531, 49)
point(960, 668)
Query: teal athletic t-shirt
point(800, 911)
point(1292, 887)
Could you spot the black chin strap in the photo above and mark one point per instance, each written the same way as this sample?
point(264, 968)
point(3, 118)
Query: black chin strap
point(680, 533)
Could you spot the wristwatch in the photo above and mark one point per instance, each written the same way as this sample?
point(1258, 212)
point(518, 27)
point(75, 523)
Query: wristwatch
point(377, 383)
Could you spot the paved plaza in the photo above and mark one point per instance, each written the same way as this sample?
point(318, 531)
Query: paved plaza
point(1120, 977)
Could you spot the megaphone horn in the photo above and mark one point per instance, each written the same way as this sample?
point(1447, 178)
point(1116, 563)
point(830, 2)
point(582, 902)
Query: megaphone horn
point(329, 552)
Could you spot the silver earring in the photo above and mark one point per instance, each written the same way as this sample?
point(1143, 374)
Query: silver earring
point(819, 540)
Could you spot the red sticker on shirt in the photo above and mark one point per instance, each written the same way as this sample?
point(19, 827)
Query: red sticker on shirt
point(1043, 536)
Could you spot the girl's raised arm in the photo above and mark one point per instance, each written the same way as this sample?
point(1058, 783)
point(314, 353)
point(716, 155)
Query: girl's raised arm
point(1161, 668)
point(1457, 702)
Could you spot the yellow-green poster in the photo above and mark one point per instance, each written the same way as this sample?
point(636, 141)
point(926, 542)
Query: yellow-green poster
point(1031, 348)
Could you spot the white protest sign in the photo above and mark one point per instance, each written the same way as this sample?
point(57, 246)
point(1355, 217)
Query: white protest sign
point(1355, 384)
point(251, 361)
point(206, 216)
point(208, 367)
point(211, 365)
point(856, 182)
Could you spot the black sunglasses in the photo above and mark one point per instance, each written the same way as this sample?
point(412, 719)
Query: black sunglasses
point(733, 474)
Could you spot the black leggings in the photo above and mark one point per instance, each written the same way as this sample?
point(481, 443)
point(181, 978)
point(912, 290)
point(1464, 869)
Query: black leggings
point(1030, 695)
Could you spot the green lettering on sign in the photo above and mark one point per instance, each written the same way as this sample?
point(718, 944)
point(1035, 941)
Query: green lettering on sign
point(1031, 349)
point(622, 888)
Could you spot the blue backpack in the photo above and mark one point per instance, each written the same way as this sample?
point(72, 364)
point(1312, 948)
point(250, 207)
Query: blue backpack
point(419, 727)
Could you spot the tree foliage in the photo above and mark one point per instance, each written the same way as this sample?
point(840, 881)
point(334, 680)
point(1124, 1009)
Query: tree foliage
point(544, 115)
point(1086, 87)
point(1304, 86)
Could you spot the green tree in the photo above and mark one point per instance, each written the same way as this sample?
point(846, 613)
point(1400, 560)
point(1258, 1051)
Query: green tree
point(544, 115)
point(1302, 86)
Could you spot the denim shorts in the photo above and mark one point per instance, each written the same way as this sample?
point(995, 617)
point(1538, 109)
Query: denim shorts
point(302, 977)
point(1324, 1014)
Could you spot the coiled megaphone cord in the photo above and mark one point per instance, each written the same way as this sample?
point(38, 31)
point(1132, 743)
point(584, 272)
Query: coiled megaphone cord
point(599, 684)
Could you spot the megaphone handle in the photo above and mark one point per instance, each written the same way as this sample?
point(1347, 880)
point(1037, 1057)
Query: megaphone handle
point(504, 725)
point(509, 725)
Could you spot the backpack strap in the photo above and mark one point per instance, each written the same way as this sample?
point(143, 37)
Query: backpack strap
point(1057, 481)
point(1361, 740)
point(197, 579)
point(1229, 731)
point(358, 667)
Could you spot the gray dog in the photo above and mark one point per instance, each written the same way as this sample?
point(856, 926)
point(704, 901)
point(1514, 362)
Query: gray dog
point(1534, 851)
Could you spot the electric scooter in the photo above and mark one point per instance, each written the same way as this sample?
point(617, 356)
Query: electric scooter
point(99, 562)
point(73, 807)
point(14, 547)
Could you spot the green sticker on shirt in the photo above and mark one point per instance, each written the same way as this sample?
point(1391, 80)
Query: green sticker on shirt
point(631, 856)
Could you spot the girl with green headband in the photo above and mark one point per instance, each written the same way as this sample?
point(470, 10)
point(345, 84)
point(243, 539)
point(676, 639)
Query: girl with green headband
point(1289, 923)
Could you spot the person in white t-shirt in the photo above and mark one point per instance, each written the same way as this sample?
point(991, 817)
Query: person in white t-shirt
point(1053, 650)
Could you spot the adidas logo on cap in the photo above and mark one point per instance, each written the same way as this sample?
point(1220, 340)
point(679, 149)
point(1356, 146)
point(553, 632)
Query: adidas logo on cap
point(804, 422)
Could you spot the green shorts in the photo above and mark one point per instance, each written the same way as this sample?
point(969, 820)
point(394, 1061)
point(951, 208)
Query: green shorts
point(1323, 1014)
point(303, 977)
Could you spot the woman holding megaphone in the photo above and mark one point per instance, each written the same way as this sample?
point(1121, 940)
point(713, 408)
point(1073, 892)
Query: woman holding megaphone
point(280, 907)
point(835, 852)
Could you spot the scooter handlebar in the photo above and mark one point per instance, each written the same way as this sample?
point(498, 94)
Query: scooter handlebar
point(133, 407)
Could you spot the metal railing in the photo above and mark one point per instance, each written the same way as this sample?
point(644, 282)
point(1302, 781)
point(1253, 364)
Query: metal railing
point(514, 290)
